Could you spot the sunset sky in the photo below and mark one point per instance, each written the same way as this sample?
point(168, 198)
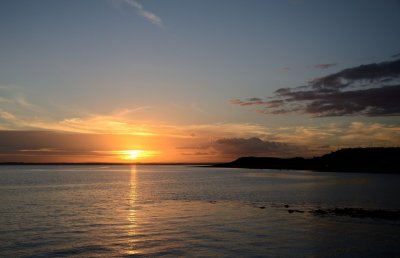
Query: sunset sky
point(196, 80)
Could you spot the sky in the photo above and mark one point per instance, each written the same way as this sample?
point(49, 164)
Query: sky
point(196, 81)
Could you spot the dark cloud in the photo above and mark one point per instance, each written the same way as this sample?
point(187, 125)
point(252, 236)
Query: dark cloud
point(396, 55)
point(323, 66)
point(363, 75)
point(255, 102)
point(231, 148)
point(369, 90)
point(236, 147)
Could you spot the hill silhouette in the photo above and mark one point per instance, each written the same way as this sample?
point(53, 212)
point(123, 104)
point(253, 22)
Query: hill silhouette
point(346, 160)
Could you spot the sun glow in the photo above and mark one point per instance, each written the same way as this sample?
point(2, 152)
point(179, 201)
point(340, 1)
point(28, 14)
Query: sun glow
point(133, 154)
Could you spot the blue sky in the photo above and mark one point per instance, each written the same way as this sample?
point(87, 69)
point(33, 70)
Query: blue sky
point(179, 64)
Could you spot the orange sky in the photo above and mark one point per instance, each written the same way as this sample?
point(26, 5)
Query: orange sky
point(187, 144)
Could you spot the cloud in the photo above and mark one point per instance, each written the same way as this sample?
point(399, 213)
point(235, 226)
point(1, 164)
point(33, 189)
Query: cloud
point(323, 66)
point(367, 90)
point(252, 147)
point(16, 113)
point(7, 116)
point(363, 75)
point(256, 102)
point(151, 17)
point(370, 134)
point(56, 146)
point(248, 102)
point(396, 55)
point(231, 148)
point(334, 136)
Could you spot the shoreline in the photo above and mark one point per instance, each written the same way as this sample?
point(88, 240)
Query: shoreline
point(353, 160)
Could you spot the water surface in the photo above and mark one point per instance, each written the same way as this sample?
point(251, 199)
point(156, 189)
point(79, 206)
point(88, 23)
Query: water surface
point(129, 211)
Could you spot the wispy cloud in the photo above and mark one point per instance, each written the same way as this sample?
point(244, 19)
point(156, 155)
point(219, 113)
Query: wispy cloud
point(323, 66)
point(17, 113)
point(367, 90)
point(256, 102)
point(150, 16)
point(370, 134)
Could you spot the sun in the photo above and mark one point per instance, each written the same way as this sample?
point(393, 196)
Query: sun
point(133, 154)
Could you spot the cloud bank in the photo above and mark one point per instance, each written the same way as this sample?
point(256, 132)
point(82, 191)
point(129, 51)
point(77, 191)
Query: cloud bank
point(253, 147)
point(368, 90)
point(203, 143)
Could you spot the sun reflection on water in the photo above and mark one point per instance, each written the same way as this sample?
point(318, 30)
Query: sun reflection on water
point(132, 211)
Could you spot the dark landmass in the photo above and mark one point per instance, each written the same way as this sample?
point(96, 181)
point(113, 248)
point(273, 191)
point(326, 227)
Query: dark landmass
point(372, 160)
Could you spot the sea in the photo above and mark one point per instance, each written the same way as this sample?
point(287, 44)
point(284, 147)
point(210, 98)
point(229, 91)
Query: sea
point(192, 211)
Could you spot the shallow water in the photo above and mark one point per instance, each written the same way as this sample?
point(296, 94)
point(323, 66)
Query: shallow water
point(124, 211)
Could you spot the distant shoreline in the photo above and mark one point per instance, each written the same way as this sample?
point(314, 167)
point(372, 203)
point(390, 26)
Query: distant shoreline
point(371, 160)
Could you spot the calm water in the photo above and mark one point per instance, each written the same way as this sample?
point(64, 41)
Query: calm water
point(123, 211)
